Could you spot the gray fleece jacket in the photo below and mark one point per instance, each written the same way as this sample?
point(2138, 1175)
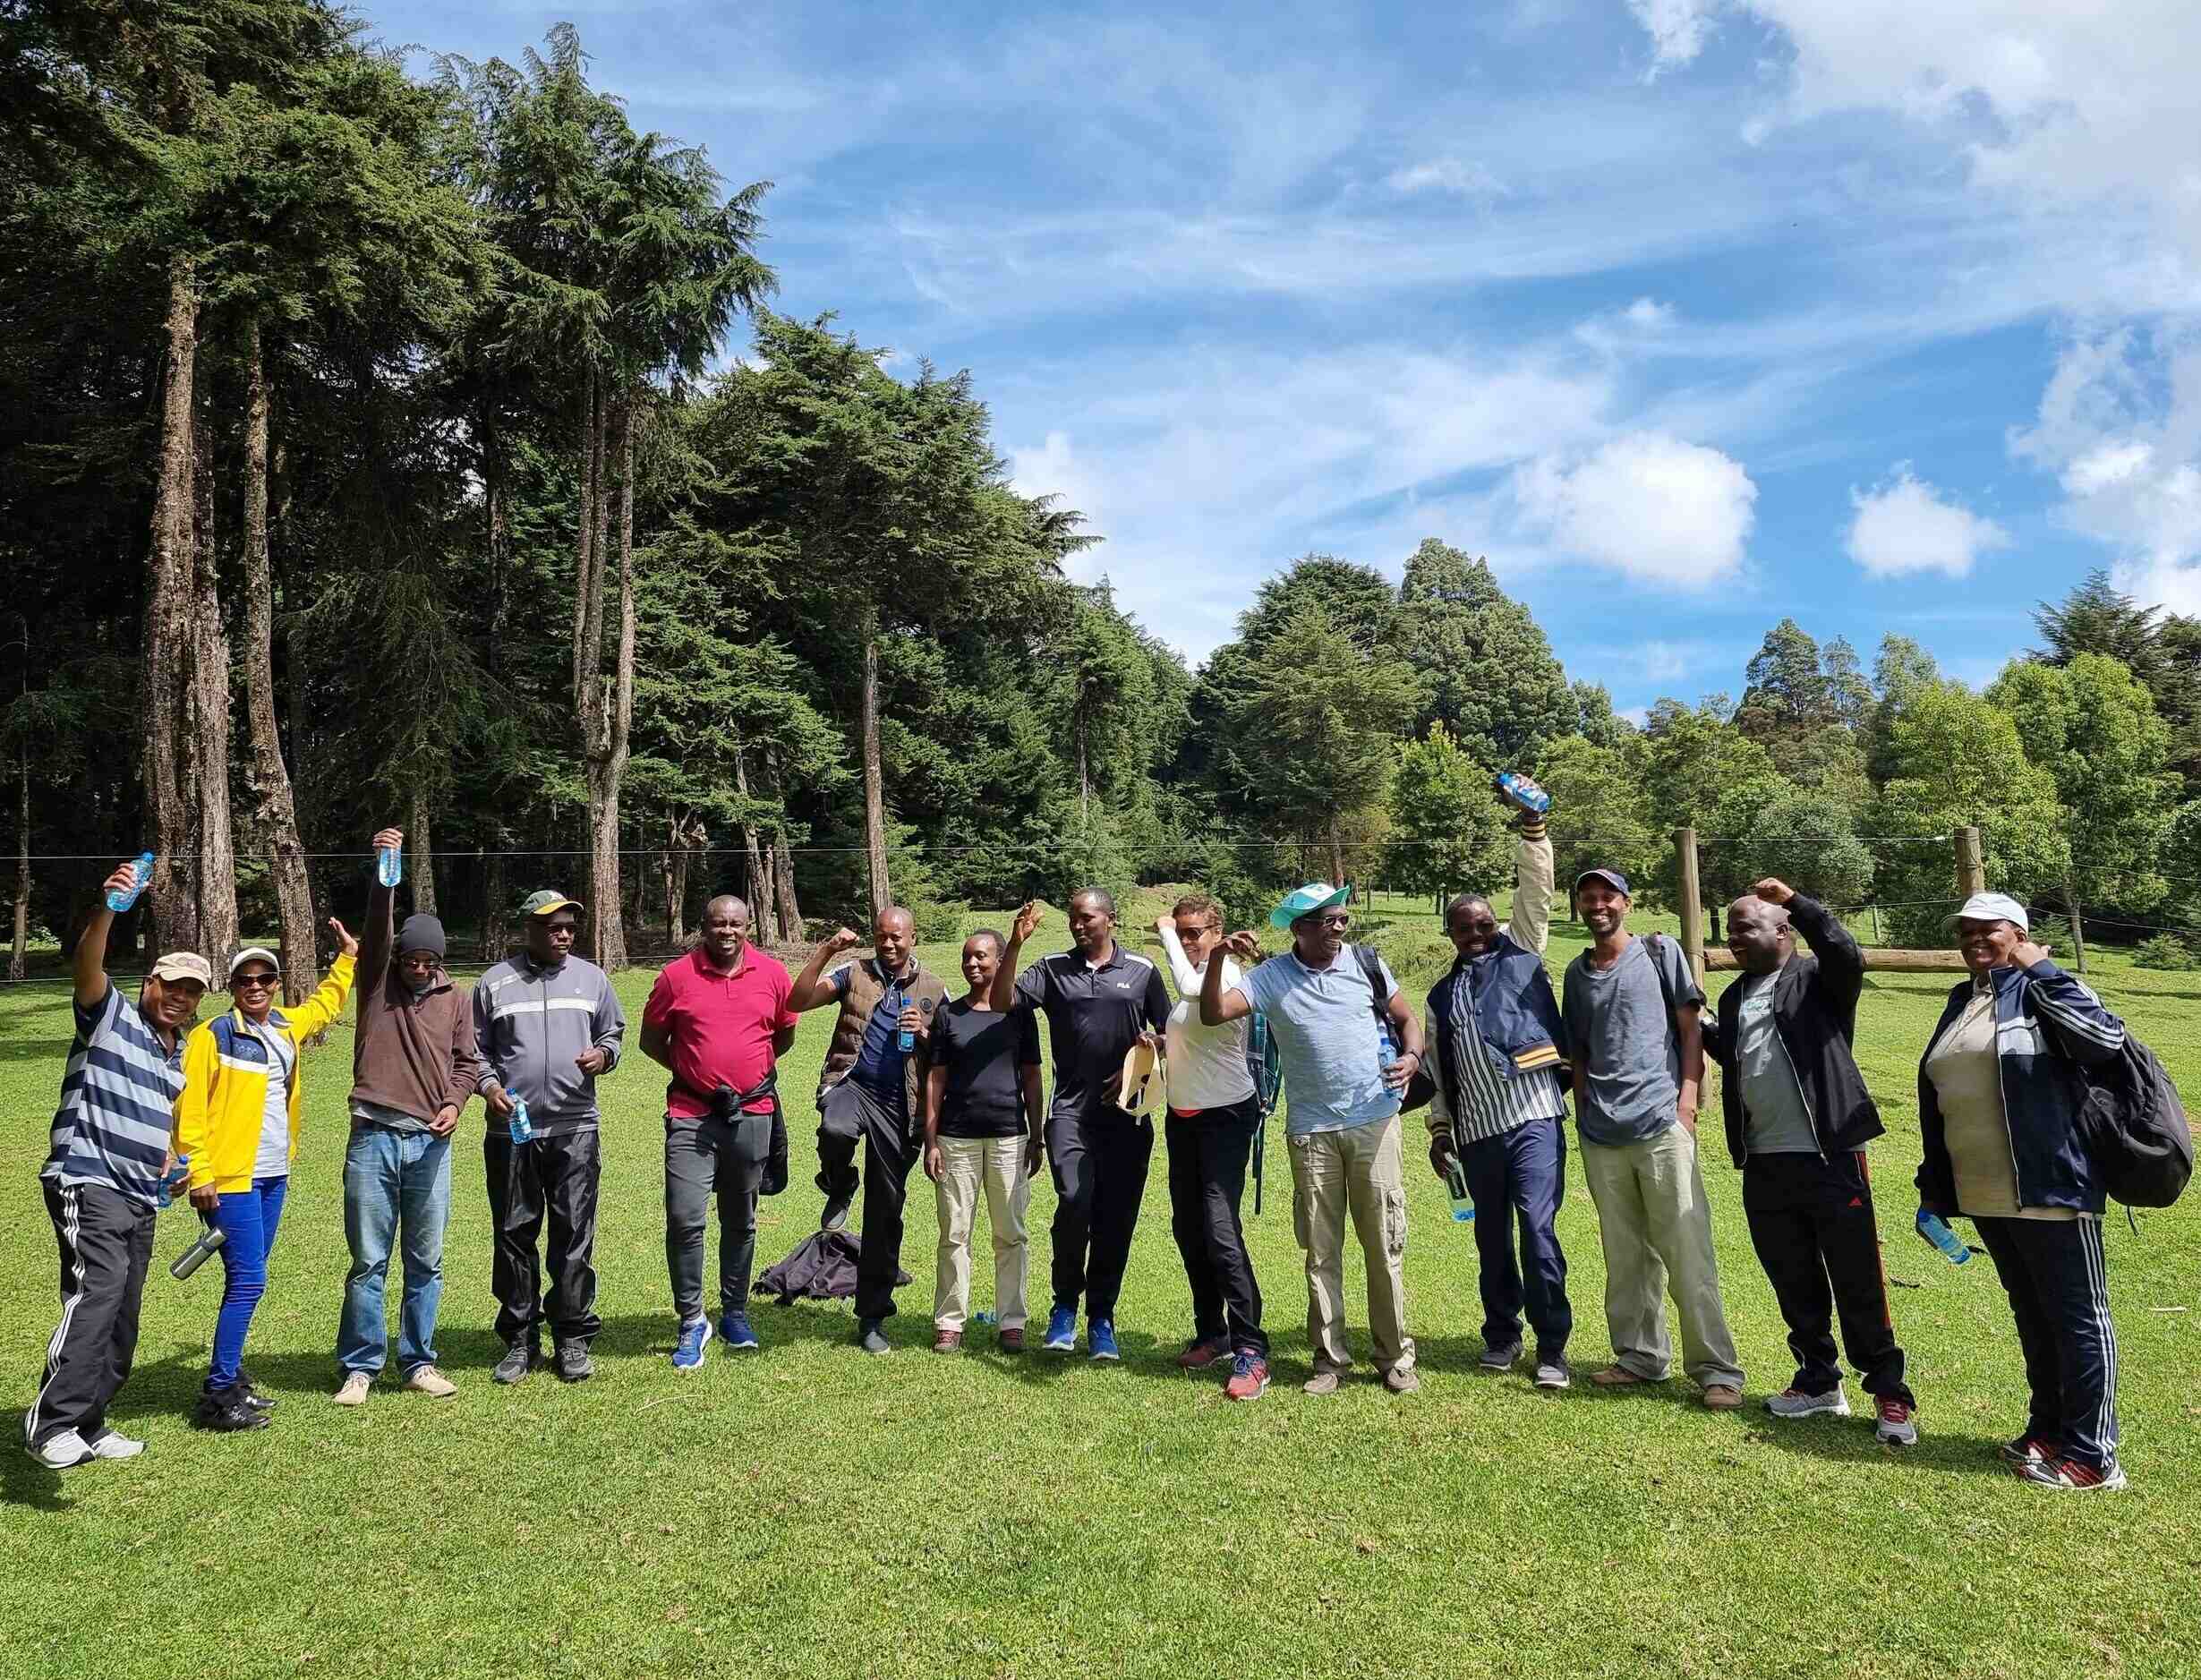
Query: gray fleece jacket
point(532, 1021)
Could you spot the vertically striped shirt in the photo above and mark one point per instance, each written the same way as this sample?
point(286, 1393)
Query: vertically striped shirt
point(117, 1101)
point(1495, 1104)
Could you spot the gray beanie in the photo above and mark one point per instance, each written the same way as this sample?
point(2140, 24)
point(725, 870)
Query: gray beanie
point(421, 932)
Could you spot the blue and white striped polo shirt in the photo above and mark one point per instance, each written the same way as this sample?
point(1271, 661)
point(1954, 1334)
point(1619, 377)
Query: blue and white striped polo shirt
point(117, 1101)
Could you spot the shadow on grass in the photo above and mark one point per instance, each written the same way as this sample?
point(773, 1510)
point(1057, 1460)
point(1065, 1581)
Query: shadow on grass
point(1850, 1441)
point(53, 1050)
point(26, 1482)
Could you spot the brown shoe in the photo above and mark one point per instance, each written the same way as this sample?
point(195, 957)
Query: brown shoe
point(1402, 1380)
point(947, 1341)
point(1723, 1396)
point(1321, 1383)
point(1010, 1341)
point(1616, 1376)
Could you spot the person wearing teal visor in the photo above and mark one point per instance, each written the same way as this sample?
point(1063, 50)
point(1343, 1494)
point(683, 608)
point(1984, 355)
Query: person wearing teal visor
point(1335, 1014)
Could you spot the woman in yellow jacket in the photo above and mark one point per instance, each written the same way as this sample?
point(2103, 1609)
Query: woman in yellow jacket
point(238, 1119)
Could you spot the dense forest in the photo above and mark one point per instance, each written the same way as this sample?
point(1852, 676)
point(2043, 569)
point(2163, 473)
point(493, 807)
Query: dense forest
point(415, 442)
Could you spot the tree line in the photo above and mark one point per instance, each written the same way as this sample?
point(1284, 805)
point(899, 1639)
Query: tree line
point(419, 442)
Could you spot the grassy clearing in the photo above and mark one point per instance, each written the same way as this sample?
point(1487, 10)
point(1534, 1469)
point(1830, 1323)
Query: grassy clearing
point(809, 1511)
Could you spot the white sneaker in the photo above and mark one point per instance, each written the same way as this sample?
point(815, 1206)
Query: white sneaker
point(1793, 1402)
point(426, 1380)
point(64, 1450)
point(110, 1445)
point(353, 1391)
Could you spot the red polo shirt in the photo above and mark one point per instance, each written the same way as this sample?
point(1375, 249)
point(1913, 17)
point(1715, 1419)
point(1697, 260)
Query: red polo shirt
point(718, 1027)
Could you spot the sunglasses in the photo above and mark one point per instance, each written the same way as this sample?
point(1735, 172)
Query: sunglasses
point(255, 980)
point(1338, 922)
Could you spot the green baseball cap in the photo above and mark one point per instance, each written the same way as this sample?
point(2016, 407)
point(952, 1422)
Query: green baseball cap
point(547, 901)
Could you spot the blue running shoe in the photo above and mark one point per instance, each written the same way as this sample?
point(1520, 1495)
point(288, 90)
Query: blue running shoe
point(1100, 1335)
point(687, 1353)
point(735, 1332)
point(1061, 1331)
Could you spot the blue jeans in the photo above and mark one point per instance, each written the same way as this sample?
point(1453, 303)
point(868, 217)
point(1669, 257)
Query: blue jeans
point(390, 1177)
point(248, 1219)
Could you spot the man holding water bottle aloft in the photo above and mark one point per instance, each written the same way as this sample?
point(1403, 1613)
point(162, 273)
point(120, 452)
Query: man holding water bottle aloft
point(868, 1095)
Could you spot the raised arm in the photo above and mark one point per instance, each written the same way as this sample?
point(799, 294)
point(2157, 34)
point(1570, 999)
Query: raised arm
point(1534, 882)
point(317, 1012)
point(1181, 968)
point(812, 988)
point(380, 931)
point(1842, 961)
point(1217, 1005)
point(88, 965)
point(1001, 994)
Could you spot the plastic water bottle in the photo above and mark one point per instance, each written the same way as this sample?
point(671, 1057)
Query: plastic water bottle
point(904, 1040)
point(389, 866)
point(195, 1256)
point(120, 901)
point(1935, 1230)
point(1523, 791)
point(982, 1316)
point(173, 1180)
point(521, 1128)
point(1456, 1180)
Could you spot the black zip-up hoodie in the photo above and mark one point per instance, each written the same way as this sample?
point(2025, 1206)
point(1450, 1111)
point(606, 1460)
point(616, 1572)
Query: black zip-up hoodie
point(1816, 1016)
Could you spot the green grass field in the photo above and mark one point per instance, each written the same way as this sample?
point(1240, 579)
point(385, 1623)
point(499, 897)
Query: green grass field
point(810, 1511)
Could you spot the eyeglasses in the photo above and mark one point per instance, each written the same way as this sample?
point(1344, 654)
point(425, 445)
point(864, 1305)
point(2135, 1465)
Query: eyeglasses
point(1195, 930)
point(1337, 922)
point(257, 981)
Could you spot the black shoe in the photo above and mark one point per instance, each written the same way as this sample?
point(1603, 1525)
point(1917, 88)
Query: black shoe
point(871, 1338)
point(226, 1411)
point(252, 1396)
point(519, 1358)
point(574, 1364)
point(836, 1214)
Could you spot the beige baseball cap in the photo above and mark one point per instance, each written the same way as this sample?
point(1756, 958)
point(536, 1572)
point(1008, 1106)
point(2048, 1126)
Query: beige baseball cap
point(185, 964)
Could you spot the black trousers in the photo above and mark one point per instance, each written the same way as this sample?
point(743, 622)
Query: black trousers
point(1812, 1223)
point(850, 1115)
point(1207, 1154)
point(1099, 1160)
point(107, 1242)
point(704, 1156)
point(2053, 1272)
point(551, 1178)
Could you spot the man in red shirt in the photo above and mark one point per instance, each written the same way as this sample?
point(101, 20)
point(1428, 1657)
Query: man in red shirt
point(719, 1020)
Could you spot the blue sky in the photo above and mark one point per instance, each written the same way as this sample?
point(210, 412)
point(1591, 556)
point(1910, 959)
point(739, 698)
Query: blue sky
point(1689, 315)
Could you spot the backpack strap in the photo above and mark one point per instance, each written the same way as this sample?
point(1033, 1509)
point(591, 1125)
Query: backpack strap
point(1657, 943)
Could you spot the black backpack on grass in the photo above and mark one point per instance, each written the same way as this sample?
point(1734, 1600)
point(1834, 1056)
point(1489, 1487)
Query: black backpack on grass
point(2135, 1128)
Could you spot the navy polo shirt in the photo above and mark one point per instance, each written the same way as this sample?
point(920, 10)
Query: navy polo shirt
point(1094, 1015)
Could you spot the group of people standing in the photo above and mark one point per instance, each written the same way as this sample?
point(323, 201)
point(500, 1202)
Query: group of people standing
point(914, 1076)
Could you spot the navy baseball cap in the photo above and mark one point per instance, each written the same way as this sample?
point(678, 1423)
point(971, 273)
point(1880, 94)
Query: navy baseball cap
point(1612, 878)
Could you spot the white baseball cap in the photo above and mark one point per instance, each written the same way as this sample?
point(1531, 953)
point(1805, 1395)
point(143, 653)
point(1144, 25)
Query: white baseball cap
point(1991, 907)
point(251, 952)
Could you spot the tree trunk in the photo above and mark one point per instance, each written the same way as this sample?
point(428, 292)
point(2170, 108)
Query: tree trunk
point(18, 954)
point(268, 780)
point(782, 861)
point(169, 635)
point(757, 881)
point(496, 938)
point(1085, 785)
point(874, 788)
point(606, 709)
point(420, 854)
point(672, 865)
point(2078, 925)
point(210, 707)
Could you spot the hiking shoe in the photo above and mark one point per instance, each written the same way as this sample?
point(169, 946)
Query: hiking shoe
point(1617, 1377)
point(1248, 1377)
point(353, 1390)
point(871, 1338)
point(1728, 1397)
point(1322, 1383)
point(687, 1352)
point(1793, 1402)
point(112, 1444)
point(64, 1450)
point(947, 1341)
point(1402, 1380)
point(426, 1380)
point(1552, 1372)
point(1500, 1358)
point(735, 1332)
point(2067, 1475)
point(574, 1364)
point(1061, 1331)
point(225, 1411)
point(251, 1391)
point(836, 1214)
point(1009, 1341)
point(519, 1358)
point(1896, 1422)
point(1201, 1352)
point(2028, 1449)
point(1100, 1336)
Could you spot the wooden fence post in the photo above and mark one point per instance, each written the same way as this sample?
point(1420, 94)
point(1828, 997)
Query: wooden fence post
point(1971, 868)
point(1691, 904)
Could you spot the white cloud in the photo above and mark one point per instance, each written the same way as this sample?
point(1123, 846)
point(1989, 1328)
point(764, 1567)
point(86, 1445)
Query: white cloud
point(1648, 504)
point(1648, 312)
point(1676, 28)
point(1447, 175)
point(1908, 525)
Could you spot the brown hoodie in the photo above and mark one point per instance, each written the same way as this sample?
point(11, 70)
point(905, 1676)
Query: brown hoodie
point(414, 1055)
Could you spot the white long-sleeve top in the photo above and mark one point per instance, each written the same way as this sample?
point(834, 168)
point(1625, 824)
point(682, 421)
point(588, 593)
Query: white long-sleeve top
point(1206, 1064)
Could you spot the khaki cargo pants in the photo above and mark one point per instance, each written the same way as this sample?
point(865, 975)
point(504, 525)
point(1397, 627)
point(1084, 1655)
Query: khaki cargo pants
point(1360, 1172)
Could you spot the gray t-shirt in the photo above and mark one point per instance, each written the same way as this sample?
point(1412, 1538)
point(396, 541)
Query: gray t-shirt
point(1624, 1042)
point(1775, 1121)
point(366, 1113)
point(1323, 1021)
